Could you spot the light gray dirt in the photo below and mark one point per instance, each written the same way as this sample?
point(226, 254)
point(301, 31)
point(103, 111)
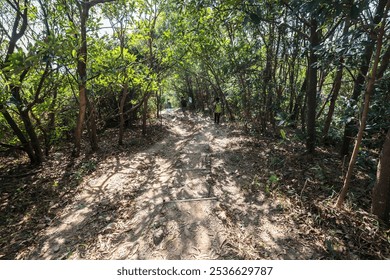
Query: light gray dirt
point(182, 198)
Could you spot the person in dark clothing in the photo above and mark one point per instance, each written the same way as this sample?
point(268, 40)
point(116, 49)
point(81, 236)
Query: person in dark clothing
point(183, 103)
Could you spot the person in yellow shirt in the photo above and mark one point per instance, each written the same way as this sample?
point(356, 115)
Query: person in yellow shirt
point(217, 110)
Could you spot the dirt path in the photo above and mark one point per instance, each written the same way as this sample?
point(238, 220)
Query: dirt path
point(183, 198)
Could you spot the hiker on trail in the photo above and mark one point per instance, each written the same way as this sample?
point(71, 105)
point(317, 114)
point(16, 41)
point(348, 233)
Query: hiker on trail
point(217, 110)
point(183, 104)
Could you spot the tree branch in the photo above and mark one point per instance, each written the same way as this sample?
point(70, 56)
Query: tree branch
point(95, 2)
point(15, 36)
point(304, 21)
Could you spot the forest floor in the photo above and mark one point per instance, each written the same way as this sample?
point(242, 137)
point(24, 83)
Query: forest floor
point(189, 190)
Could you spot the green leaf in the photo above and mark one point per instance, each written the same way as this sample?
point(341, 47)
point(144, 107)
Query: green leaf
point(273, 178)
point(283, 134)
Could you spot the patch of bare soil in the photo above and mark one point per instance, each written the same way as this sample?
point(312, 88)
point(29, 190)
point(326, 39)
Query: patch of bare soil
point(196, 191)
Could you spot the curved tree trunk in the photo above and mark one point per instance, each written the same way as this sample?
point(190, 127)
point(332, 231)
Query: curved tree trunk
point(25, 143)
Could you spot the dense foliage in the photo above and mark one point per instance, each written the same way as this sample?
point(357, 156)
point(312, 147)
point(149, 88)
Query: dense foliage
point(305, 65)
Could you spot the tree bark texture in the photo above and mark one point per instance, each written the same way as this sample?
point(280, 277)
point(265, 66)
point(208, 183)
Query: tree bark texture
point(82, 75)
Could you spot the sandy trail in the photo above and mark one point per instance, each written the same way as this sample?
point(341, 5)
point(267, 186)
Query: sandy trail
point(180, 199)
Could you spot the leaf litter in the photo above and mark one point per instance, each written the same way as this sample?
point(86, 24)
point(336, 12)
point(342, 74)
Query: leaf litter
point(189, 190)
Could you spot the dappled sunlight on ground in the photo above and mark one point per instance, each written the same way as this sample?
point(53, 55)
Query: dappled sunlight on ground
point(190, 189)
point(189, 196)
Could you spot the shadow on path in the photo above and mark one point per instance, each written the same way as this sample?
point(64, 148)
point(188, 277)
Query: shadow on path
point(189, 196)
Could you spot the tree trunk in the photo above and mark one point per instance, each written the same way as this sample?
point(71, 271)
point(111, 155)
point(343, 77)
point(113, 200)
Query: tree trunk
point(121, 113)
point(357, 88)
point(51, 126)
point(83, 95)
point(158, 103)
point(245, 99)
point(268, 88)
point(19, 27)
point(312, 89)
point(19, 134)
point(298, 103)
point(82, 73)
point(35, 143)
point(304, 114)
point(80, 120)
point(293, 93)
point(29, 128)
point(381, 192)
point(145, 115)
point(336, 87)
point(332, 105)
point(367, 96)
point(360, 79)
